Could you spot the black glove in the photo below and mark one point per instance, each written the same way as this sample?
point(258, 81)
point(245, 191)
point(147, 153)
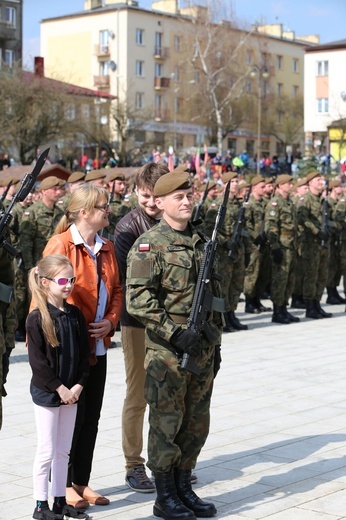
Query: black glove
point(323, 235)
point(186, 341)
point(260, 240)
point(217, 359)
point(277, 255)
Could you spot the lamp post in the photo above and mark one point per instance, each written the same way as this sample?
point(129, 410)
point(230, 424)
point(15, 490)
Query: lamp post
point(262, 73)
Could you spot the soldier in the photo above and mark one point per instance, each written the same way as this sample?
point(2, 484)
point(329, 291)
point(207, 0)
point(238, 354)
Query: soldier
point(257, 274)
point(39, 222)
point(232, 270)
point(314, 254)
point(297, 296)
point(269, 190)
point(334, 228)
point(280, 228)
point(162, 273)
point(11, 192)
point(75, 180)
point(340, 219)
point(119, 205)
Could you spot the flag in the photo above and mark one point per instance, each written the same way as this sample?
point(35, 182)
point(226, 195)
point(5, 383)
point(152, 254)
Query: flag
point(198, 160)
point(170, 162)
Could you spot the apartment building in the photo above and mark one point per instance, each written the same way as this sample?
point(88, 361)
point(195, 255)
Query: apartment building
point(325, 99)
point(143, 57)
point(11, 32)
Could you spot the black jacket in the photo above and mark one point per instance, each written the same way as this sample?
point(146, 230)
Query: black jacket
point(128, 229)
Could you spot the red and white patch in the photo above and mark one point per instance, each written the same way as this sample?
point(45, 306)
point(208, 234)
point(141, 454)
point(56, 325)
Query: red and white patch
point(274, 203)
point(26, 213)
point(143, 247)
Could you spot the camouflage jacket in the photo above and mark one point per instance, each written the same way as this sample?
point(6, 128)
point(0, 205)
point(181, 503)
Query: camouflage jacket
point(254, 215)
point(309, 215)
point(162, 269)
point(118, 209)
point(37, 226)
point(280, 223)
point(17, 214)
point(340, 217)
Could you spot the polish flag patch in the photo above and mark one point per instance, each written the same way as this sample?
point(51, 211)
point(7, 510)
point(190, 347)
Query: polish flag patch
point(143, 247)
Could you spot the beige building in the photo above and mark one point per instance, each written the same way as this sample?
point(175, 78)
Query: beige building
point(144, 58)
point(325, 99)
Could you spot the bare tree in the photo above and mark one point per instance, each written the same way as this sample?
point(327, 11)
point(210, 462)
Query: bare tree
point(283, 118)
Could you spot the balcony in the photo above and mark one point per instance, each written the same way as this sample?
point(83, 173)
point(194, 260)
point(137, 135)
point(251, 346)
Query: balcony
point(161, 83)
point(162, 114)
point(101, 50)
point(161, 53)
point(6, 30)
point(102, 81)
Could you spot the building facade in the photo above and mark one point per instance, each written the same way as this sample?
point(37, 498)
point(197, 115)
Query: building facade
point(11, 32)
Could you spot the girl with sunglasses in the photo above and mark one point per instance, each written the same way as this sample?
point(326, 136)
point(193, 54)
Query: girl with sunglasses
point(58, 352)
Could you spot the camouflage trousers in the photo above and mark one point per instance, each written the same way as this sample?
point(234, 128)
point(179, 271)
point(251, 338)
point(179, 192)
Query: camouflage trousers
point(233, 273)
point(21, 292)
point(343, 263)
point(334, 264)
point(179, 409)
point(315, 266)
point(299, 275)
point(283, 276)
point(257, 274)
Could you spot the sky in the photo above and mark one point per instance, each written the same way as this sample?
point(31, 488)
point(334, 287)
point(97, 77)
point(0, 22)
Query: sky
point(323, 17)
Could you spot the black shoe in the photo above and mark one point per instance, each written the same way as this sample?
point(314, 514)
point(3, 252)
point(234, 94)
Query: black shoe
point(137, 479)
point(250, 306)
point(293, 319)
point(20, 336)
point(321, 312)
point(279, 316)
point(39, 511)
point(201, 508)
point(193, 478)
point(297, 302)
point(311, 312)
point(234, 322)
point(227, 329)
point(332, 298)
point(168, 505)
point(261, 307)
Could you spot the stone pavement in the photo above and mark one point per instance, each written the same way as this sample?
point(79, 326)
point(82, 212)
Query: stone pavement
point(277, 445)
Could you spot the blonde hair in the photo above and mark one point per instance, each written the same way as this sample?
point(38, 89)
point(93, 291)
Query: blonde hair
point(48, 267)
point(84, 197)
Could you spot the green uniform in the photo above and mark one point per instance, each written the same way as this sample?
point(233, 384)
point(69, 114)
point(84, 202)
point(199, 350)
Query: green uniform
point(314, 256)
point(340, 219)
point(119, 208)
point(280, 228)
point(334, 264)
point(299, 268)
point(161, 279)
point(37, 226)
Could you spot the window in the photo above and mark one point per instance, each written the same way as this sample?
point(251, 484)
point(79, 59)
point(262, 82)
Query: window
point(177, 44)
point(158, 104)
point(139, 100)
point(158, 70)
point(140, 36)
point(322, 105)
point(279, 117)
point(232, 144)
point(104, 68)
point(295, 91)
point(279, 62)
point(264, 59)
point(10, 16)
point(279, 89)
point(176, 73)
point(295, 65)
point(70, 112)
point(139, 68)
point(158, 43)
point(322, 68)
point(104, 41)
point(248, 57)
point(9, 58)
point(85, 110)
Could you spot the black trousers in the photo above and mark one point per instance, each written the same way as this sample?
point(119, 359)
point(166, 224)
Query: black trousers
point(86, 428)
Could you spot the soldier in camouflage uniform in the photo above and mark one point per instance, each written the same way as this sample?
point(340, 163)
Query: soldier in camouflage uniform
point(280, 228)
point(257, 274)
point(334, 228)
point(39, 222)
point(75, 180)
point(314, 255)
point(11, 192)
point(119, 205)
point(232, 270)
point(269, 190)
point(162, 273)
point(297, 296)
point(340, 219)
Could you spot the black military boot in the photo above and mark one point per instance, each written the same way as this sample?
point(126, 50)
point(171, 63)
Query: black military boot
point(250, 306)
point(201, 508)
point(332, 298)
point(311, 312)
point(297, 302)
point(279, 316)
point(259, 305)
point(168, 505)
point(338, 296)
point(228, 326)
point(321, 312)
point(234, 322)
point(293, 319)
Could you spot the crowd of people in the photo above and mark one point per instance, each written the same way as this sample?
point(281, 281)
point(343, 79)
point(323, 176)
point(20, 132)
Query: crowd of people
point(98, 256)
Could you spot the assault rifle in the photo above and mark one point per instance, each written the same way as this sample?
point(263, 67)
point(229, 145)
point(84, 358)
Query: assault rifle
point(203, 300)
point(238, 229)
point(3, 196)
point(324, 226)
point(198, 210)
point(25, 187)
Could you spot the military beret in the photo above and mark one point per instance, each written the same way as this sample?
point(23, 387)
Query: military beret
point(172, 181)
point(270, 180)
point(202, 187)
point(116, 175)
point(94, 175)
point(302, 181)
point(334, 183)
point(181, 168)
point(257, 179)
point(75, 177)
point(228, 176)
point(244, 184)
point(282, 179)
point(50, 182)
point(312, 175)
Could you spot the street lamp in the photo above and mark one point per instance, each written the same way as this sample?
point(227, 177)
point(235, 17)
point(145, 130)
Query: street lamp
point(262, 73)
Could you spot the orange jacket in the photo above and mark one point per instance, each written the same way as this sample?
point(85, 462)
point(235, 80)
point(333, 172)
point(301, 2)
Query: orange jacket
point(84, 294)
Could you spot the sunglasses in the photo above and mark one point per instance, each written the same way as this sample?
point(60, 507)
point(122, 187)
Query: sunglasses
point(61, 281)
point(103, 208)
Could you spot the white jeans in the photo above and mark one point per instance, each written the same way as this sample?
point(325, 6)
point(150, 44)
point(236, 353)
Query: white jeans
point(54, 427)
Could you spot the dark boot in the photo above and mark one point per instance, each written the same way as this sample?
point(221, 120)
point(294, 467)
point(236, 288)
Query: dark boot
point(228, 326)
point(250, 306)
point(293, 319)
point(201, 508)
point(234, 322)
point(338, 296)
point(297, 302)
point(168, 505)
point(311, 312)
point(260, 306)
point(279, 316)
point(321, 312)
point(20, 334)
point(332, 298)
